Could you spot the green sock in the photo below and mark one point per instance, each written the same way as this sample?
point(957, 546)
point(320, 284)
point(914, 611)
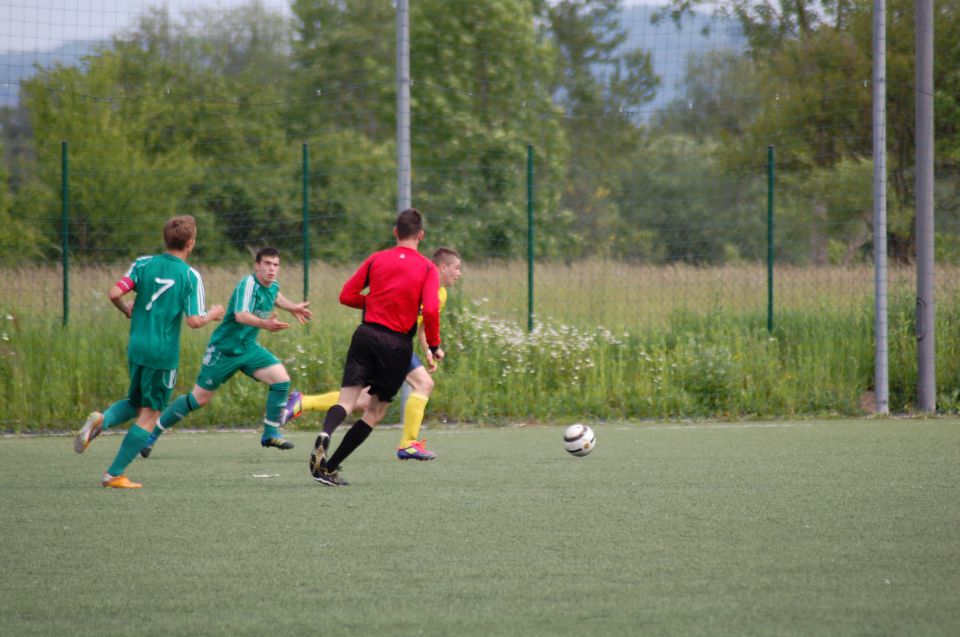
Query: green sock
point(118, 413)
point(276, 399)
point(133, 442)
point(175, 412)
point(269, 431)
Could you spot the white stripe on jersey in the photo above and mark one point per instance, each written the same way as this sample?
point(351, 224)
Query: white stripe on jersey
point(246, 301)
point(201, 293)
point(137, 262)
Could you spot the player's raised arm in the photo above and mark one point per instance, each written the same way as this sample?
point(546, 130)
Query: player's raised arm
point(271, 324)
point(197, 313)
point(299, 310)
point(352, 293)
point(215, 313)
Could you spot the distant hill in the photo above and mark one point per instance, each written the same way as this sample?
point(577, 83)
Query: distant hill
point(16, 66)
point(671, 46)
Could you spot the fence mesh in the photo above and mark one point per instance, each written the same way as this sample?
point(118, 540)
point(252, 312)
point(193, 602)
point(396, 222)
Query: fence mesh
point(651, 128)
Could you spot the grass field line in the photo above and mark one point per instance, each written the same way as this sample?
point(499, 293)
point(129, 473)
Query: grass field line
point(8, 435)
point(448, 429)
point(745, 425)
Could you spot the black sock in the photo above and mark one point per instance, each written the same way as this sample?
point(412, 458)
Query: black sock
point(354, 438)
point(335, 416)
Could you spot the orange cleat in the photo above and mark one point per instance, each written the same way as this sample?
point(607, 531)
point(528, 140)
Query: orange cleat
point(119, 482)
point(90, 430)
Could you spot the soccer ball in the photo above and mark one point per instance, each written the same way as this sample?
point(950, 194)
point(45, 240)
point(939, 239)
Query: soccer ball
point(579, 440)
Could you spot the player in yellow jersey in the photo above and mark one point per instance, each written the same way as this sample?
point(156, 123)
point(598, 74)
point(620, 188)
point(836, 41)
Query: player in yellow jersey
point(418, 378)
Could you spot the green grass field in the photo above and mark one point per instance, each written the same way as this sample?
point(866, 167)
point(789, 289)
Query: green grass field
point(801, 528)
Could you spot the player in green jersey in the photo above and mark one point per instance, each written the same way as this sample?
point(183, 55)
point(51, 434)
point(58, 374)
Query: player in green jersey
point(167, 288)
point(233, 347)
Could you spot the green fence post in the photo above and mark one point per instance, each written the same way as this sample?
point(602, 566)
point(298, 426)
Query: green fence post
point(306, 220)
point(770, 238)
point(65, 227)
point(530, 237)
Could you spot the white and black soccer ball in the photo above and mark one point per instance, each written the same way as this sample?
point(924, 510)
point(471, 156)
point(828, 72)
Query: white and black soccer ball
point(579, 440)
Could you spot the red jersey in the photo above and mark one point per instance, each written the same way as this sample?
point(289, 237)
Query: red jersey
point(400, 282)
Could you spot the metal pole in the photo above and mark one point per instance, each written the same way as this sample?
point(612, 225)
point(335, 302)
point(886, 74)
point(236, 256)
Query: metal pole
point(306, 221)
point(65, 227)
point(881, 373)
point(403, 104)
point(770, 185)
point(926, 358)
point(530, 255)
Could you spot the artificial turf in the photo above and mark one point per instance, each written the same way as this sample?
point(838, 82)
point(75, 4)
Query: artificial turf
point(797, 528)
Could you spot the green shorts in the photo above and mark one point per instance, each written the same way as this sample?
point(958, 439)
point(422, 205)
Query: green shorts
point(150, 387)
point(218, 366)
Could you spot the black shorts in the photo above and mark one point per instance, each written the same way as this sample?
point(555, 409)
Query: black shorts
point(378, 357)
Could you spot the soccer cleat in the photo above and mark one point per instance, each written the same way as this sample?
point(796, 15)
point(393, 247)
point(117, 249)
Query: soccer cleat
point(279, 443)
point(318, 456)
point(90, 430)
point(148, 448)
point(329, 477)
point(415, 451)
point(293, 408)
point(119, 482)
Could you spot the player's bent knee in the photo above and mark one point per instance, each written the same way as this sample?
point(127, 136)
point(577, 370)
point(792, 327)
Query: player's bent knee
point(420, 381)
point(202, 396)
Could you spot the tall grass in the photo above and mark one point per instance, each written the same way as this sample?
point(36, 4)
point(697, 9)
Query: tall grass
point(704, 352)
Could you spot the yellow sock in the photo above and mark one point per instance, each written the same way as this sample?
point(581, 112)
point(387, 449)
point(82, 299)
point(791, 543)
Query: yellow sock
point(413, 418)
point(320, 402)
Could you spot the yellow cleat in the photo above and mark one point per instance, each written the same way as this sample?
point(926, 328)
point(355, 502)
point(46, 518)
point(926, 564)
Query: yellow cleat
point(119, 482)
point(90, 430)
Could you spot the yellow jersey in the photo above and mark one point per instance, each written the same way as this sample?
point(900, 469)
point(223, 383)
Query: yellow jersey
point(443, 301)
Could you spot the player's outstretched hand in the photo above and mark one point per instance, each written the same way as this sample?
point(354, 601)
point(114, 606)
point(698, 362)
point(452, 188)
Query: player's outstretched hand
point(302, 313)
point(273, 325)
point(433, 359)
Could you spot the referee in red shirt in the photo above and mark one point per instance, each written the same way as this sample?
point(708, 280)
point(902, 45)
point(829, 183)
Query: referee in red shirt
point(399, 281)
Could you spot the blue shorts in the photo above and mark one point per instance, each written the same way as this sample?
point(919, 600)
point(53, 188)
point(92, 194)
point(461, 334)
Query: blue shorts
point(414, 363)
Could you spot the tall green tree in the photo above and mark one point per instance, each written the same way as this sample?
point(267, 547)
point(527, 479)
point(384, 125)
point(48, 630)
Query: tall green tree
point(680, 205)
point(174, 117)
point(813, 63)
point(344, 57)
point(599, 84)
point(223, 77)
point(20, 240)
point(113, 176)
point(480, 94)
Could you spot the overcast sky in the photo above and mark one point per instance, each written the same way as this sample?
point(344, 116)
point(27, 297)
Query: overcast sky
point(37, 25)
point(41, 25)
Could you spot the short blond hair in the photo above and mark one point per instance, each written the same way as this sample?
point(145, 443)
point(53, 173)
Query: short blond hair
point(445, 256)
point(178, 231)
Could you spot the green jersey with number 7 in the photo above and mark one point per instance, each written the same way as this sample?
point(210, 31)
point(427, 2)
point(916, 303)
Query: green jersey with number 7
point(167, 288)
